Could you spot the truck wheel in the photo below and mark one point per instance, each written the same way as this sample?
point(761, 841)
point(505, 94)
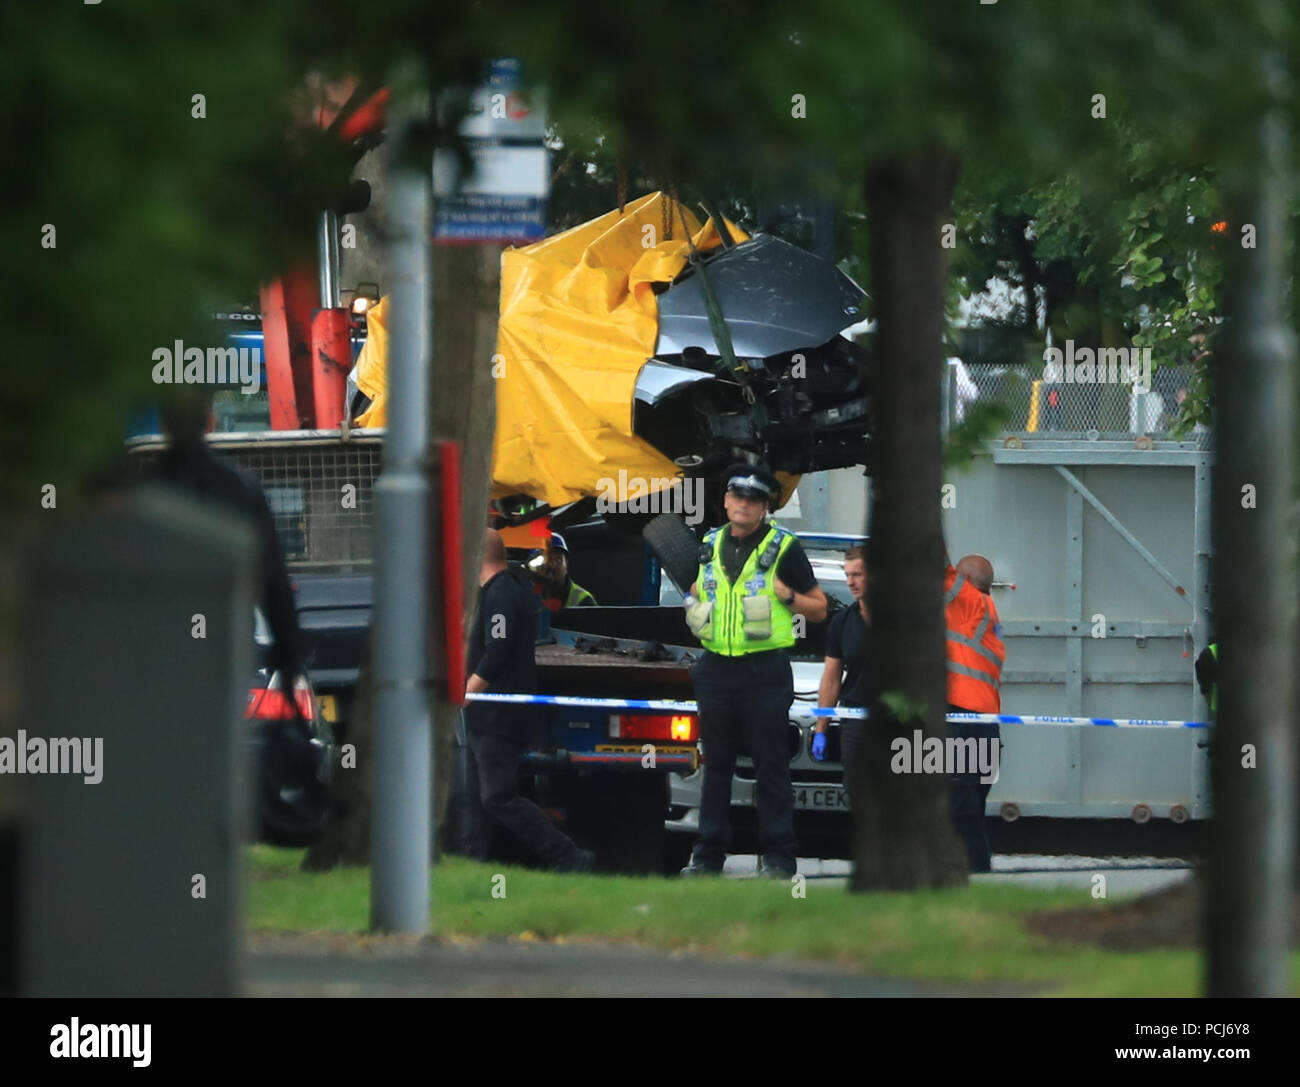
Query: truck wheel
point(621, 818)
point(676, 548)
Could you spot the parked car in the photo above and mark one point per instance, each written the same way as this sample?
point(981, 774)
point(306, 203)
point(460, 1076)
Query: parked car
point(293, 757)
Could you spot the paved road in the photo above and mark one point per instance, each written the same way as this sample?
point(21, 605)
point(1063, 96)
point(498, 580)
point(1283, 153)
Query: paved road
point(356, 966)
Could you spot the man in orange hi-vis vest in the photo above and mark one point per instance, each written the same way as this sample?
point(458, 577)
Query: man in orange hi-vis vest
point(975, 656)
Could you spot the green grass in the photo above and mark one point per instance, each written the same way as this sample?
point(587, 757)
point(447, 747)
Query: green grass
point(972, 934)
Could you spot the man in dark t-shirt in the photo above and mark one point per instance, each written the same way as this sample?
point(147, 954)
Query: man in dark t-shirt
point(290, 761)
point(847, 679)
point(500, 659)
point(188, 464)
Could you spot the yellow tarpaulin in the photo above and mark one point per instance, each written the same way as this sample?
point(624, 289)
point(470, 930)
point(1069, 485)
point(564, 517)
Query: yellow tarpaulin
point(372, 366)
point(578, 321)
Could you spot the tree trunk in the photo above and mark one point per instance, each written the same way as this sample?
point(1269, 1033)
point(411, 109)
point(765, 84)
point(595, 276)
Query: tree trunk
point(903, 835)
point(466, 291)
point(466, 299)
point(1254, 525)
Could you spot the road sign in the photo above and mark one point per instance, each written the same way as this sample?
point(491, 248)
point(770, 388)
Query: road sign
point(503, 199)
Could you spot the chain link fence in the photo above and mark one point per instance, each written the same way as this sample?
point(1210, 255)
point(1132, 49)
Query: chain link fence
point(1065, 410)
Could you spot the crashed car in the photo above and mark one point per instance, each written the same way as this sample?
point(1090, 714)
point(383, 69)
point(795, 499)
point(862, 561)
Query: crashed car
point(626, 348)
point(796, 393)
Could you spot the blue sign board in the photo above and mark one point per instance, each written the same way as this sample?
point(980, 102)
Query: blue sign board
point(504, 198)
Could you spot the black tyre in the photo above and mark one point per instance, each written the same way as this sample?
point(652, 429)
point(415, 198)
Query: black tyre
point(292, 817)
point(293, 804)
point(676, 548)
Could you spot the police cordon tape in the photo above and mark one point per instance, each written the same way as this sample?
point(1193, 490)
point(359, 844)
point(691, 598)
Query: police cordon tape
point(824, 711)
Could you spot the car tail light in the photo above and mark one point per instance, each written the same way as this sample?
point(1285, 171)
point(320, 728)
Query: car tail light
point(271, 703)
point(681, 728)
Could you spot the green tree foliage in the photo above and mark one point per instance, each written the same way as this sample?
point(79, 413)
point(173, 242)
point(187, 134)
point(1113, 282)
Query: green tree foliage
point(161, 215)
point(164, 207)
point(1139, 263)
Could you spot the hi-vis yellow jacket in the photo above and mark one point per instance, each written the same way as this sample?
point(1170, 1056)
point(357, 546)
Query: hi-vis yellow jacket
point(747, 616)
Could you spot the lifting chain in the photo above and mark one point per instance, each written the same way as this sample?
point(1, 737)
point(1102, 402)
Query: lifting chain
point(680, 211)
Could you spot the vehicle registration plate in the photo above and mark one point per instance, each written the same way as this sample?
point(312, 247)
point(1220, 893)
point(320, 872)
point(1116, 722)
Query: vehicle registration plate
point(639, 749)
point(327, 706)
point(821, 798)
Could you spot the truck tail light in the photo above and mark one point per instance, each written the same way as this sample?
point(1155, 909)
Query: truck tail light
point(681, 728)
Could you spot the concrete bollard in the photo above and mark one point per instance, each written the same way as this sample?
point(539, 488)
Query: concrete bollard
point(130, 873)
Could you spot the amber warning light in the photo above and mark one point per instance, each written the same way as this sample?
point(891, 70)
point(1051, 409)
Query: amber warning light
point(675, 728)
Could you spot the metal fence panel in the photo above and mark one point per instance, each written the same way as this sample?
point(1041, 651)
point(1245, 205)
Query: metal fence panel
point(320, 490)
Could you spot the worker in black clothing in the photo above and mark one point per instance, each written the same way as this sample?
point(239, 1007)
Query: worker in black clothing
point(847, 679)
point(500, 660)
point(188, 464)
point(753, 581)
point(291, 761)
point(1207, 675)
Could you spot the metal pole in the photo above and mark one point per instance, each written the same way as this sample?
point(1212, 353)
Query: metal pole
point(401, 832)
point(1074, 602)
point(949, 398)
point(328, 246)
point(1201, 592)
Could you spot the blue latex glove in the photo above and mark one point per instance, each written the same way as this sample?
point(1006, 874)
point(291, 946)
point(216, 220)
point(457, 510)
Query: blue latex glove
point(819, 746)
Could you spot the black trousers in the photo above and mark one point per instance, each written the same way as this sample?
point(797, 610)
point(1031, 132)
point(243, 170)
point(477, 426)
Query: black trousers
point(850, 742)
point(492, 796)
point(744, 705)
point(968, 797)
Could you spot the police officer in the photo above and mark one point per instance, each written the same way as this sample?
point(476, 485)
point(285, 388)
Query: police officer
point(753, 579)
